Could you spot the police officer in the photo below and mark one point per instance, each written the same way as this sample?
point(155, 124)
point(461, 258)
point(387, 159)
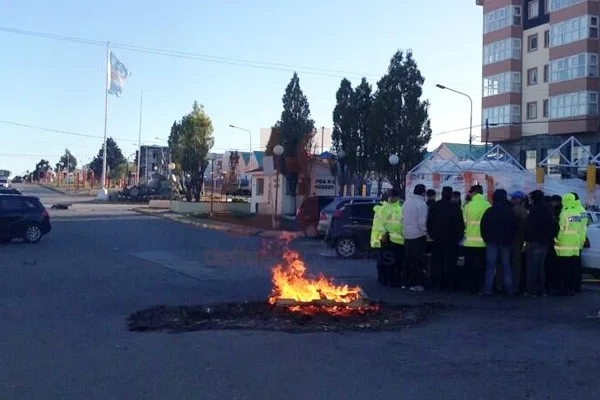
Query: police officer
point(392, 238)
point(377, 232)
point(474, 246)
point(568, 244)
point(584, 224)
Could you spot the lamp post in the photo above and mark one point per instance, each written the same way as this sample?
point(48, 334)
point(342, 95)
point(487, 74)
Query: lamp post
point(171, 168)
point(471, 115)
point(278, 151)
point(340, 156)
point(246, 130)
point(393, 159)
point(212, 181)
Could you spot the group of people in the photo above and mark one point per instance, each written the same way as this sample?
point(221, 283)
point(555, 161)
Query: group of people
point(530, 244)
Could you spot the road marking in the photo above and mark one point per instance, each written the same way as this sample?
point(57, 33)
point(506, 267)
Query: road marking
point(99, 218)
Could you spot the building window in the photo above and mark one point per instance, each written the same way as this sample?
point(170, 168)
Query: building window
point(546, 39)
point(546, 7)
point(577, 66)
point(581, 156)
point(546, 108)
point(546, 73)
point(532, 76)
point(501, 18)
point(532, 110)
point(534, 9)
point(574, 104)
point(502, 83)
point(556, 5)
point(530, 160)
point(572, 30)
point(260, 186)
point(502, 115)
point(502, 50)
point(532, 42)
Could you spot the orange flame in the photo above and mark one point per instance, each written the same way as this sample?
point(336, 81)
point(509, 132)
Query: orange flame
point(289, 282)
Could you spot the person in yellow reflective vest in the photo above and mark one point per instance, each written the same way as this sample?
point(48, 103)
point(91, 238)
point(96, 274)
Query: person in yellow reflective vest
point(473, 245)
point(568, 243)
point(377, 232)
point(392, 239)
point(584, 225)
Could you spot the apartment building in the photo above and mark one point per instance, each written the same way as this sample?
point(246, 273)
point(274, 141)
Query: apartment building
point(540, 76)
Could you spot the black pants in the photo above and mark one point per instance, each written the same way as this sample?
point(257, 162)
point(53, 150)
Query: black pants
point(443, 266)
point(578, 274)
point(389, 264)
point(474, 270)
point(552, 270)
point(414, 251)
point(567, 274)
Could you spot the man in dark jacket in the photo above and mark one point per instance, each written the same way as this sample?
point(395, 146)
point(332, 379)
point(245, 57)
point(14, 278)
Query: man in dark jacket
point(446, 227)
point(540, 230)
point(498, 228)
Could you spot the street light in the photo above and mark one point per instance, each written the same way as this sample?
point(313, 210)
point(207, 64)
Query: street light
point(340, 156)
point(393, 159)
point(246, 130)
point(471, 115)
point(212, 181)
point(278, 151)
point(171, 167)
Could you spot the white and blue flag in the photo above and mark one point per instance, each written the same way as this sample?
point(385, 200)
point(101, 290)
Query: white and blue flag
point(118, 75)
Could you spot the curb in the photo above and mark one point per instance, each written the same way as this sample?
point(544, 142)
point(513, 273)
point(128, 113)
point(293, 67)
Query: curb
point(228, 228)
point(65, 193)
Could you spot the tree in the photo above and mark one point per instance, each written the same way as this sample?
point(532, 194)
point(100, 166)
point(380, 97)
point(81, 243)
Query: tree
point(190, 141)
point(400, 121)
point(362, 107)
point(342, 136)
point(41, 167)
point(296, 130)
point(68, 160)
point(114, 158)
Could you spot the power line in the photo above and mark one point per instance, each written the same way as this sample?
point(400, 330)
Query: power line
point(60, 131)
point(206, 57)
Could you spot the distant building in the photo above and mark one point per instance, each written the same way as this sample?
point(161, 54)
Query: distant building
point(154, 159)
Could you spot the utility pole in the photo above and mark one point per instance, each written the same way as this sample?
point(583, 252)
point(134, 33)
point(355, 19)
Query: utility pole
point(487, 133)
point(322, 138)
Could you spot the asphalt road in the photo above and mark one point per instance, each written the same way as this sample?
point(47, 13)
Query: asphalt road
point(64, 301)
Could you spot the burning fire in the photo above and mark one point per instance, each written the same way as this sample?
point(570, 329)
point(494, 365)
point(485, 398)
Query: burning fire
point(319, 294)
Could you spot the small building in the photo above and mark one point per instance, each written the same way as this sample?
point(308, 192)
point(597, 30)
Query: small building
point(154, 160)
point(264, 186)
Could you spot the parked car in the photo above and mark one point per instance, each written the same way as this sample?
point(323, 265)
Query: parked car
point(337, 204)
point(9, 191)
point(17, 179)
point(590, 257)
point(350, 229)
point(22, 217)
point(307, 216)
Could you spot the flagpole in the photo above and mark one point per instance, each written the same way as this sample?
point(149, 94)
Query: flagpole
point(140, 140)
point(103, 192)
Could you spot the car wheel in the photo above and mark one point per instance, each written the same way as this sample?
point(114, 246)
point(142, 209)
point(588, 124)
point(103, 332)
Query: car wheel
point(33, 234)
point(346, 248)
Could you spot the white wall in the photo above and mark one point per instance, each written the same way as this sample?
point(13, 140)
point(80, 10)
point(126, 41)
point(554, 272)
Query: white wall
point(537, 92)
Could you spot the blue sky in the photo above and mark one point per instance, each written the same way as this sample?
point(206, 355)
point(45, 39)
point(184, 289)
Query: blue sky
point(60, 85)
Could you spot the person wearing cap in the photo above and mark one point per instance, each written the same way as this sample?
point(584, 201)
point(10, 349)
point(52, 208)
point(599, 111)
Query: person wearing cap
point(518, 204)
point(447, 228)
point(414, 228)
point(584, 224)
point(540, 230)
point(392, 239)
point(473, 245)
point(568, 243)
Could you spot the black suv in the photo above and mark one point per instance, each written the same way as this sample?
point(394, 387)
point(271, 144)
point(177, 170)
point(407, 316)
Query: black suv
point(350, 231)
point(9, 191)
point(22, 217)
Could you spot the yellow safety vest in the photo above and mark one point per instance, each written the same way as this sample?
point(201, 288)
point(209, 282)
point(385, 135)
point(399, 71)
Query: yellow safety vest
point(472, 215)
point(568, 241)
point(584, 222)
point(378, 228)
point(393, 222)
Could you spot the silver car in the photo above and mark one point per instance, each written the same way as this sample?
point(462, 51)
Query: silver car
point(336, 204)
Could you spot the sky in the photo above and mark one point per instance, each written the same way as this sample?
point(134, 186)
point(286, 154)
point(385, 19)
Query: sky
point(244, 54)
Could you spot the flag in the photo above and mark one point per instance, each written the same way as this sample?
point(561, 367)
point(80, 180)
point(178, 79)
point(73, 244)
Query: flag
point(118, 75)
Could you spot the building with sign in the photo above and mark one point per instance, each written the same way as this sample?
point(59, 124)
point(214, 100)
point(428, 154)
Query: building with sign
point(264, 186)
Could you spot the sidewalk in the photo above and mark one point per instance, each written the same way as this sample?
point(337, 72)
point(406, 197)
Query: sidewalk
point(205, 223)
point(72, 192)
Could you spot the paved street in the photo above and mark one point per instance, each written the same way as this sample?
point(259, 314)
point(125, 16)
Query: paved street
point(64, 302)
